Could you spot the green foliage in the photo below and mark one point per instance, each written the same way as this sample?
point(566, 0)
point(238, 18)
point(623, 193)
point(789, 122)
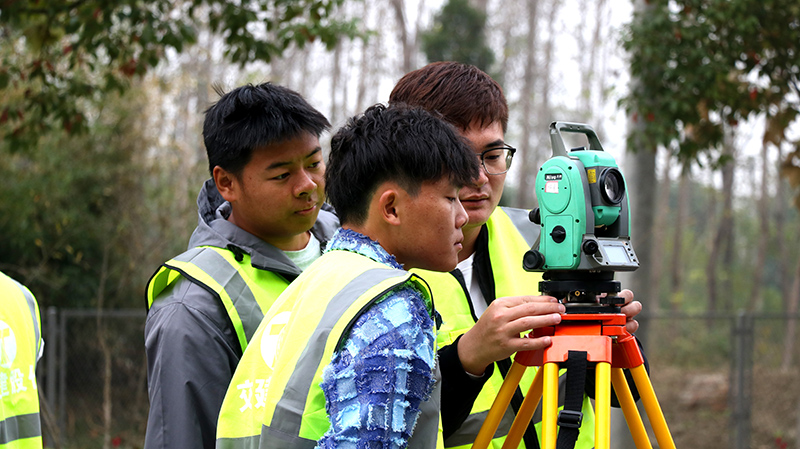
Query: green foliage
point(458, 34)
point(73, 211)
point(700, 65)
point(59, 59)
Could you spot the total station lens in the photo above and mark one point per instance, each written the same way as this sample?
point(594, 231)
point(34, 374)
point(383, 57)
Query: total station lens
point(613, 185)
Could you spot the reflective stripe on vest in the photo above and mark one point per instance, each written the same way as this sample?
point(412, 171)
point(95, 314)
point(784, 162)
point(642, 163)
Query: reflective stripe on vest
point(245, 291)
point(309, 321)
point(510, 235)
point(20, 341)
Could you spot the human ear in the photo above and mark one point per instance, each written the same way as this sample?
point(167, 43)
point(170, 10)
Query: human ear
point(388, 203)
point(226, 183)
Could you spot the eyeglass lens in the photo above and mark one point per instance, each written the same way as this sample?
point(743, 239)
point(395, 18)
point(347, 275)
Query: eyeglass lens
point(497, 161)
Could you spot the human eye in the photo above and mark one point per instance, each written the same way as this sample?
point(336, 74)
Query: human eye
point(315, 164)
point(281, 176)
point(493, 155)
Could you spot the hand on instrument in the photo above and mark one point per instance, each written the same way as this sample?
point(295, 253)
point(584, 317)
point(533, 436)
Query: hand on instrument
point(631, 308)
point(498, 334)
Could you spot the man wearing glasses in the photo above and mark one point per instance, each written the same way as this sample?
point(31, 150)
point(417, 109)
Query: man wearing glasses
point(489, 302)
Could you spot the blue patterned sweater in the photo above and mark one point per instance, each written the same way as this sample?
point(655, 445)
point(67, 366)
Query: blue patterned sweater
point(374, 385)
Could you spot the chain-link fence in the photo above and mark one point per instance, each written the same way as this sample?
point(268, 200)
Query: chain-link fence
point(723, 381)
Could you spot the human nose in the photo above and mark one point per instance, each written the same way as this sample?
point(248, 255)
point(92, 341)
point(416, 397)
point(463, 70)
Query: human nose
point(305, 184)
point(461, 215)
point(482, 178)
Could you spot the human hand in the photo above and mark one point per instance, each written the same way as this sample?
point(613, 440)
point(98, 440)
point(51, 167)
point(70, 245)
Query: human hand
point(630, 308)
point(496, 335)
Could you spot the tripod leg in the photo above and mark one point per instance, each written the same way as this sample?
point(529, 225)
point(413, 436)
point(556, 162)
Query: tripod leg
point(550, 405)
point(602, 401)
point(628, 405)
point(499, 406)
point(525, 413)
point(652, 408)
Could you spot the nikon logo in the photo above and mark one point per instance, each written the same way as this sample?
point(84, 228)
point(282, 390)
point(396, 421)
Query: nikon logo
point(552, 176)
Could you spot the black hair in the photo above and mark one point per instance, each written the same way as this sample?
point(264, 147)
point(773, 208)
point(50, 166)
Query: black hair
point(250, 117)
point(407, 145)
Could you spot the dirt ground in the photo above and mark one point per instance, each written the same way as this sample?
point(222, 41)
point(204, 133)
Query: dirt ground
point(698, 413)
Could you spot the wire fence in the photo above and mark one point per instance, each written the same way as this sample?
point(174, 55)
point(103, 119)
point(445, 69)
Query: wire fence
point(723, 381)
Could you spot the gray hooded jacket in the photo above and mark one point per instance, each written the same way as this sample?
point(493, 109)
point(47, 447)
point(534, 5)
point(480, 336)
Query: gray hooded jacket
point(192, 348)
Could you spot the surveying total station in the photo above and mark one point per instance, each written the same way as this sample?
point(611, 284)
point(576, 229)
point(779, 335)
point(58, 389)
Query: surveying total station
point(585, 238)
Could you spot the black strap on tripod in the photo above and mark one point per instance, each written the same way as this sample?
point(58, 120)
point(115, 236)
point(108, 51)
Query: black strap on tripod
point(570, 417)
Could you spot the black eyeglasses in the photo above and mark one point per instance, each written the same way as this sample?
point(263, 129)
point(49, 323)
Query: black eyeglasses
point(496, 161)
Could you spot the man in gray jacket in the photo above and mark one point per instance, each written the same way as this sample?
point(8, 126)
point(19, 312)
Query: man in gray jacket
point(261, 222)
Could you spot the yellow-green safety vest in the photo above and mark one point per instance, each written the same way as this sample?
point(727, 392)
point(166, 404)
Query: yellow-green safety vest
point(245, 291)
point(275, 399)
point(510, 234)
point(20, 342)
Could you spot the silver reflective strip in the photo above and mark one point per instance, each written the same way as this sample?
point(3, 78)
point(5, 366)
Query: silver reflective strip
point(426, 431)
point(33, 308)
point(289, 410)
point(250, 442)
point(275, 439)
point(20, 427)
point(526, 228)
point(215, 265)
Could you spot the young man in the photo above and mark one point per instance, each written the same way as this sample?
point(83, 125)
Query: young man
point(483, 314)
point(346, 356)
point(261, 222)
point(21, 346)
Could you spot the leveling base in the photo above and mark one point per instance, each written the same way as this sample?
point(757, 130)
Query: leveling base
point(607, 343)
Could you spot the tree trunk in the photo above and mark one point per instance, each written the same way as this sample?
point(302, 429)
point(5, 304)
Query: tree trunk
point(399, 8)
point(588, 50)
point(102, 337)
point(676, 269)
point(756, 299)
point(780, 225)
point(642, 193)
point(336, 75)
point(525, 198)
point(640, 170)
point(721, 245)
point(789, 340)
point(657, 243)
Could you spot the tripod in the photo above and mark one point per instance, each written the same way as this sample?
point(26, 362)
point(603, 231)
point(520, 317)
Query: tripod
point(606, 341)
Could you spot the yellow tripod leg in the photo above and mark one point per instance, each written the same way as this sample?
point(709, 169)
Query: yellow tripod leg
point(632, 417)
point(550, 405)
point(602, 401)
point(652, 408)
point(525, 413)
point(499, 406)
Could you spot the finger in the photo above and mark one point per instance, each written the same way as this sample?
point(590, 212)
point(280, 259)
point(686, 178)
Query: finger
point(532, 309)
point(513, 301)
point(530, 322)
point(632, 309)
point(532, 343)
point(632, 326)
point(627, 294)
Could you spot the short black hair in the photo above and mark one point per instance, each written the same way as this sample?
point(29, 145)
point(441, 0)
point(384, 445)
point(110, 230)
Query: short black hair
point(250, 117)
point(407, 145)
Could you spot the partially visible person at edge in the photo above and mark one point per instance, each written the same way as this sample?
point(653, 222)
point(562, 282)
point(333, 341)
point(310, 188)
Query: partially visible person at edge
point(346, 357)
point(261, 221)
point(21, 346)
point(484, 302)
